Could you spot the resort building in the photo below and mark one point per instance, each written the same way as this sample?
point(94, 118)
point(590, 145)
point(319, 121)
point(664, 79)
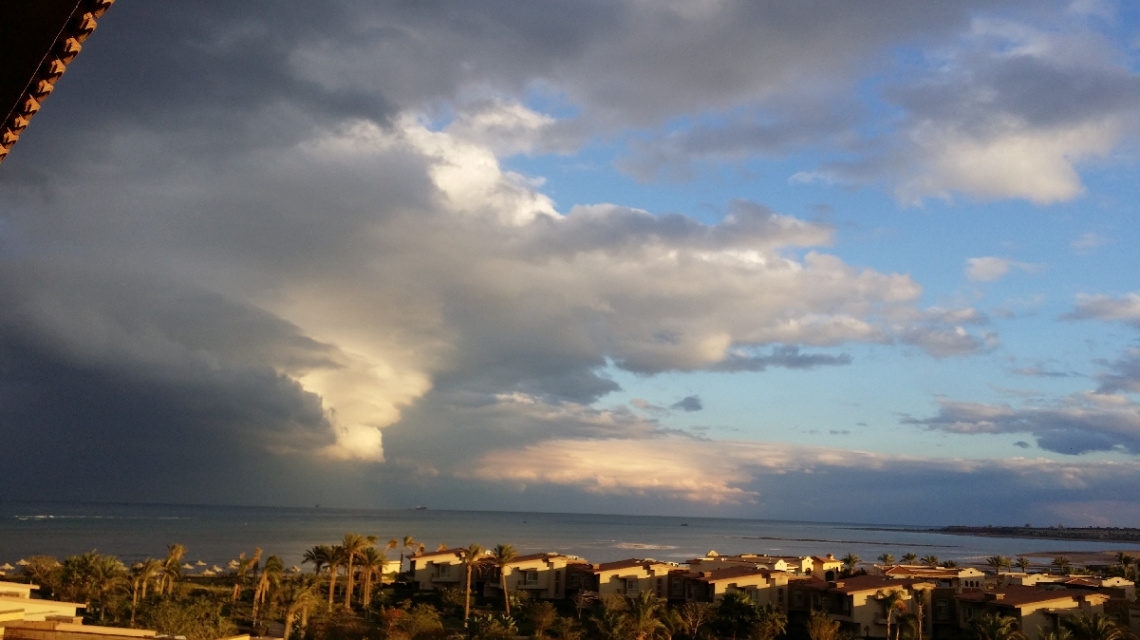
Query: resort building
point(858, 603)
point(541, 575)
point(1037, 610)
point(788, 564)
point(23, 617)
point(632, 577)
point(956, 578)
point(824, 568)
point(439, 569)
point(1115, 587)
point(762, 586)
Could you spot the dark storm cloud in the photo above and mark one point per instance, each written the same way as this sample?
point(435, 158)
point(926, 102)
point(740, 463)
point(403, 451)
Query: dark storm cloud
point(226, 231)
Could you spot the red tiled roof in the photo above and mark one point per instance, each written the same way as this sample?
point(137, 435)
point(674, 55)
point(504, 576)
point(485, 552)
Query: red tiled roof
point(1016, 596)
point(731, 573)
point(538, 556)
point(441, 552)
point(627, 564)
point(862, 583)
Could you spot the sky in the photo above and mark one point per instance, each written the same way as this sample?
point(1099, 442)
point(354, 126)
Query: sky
point(830, 261)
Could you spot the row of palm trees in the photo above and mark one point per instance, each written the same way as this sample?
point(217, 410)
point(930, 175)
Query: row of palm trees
point(993, 626)
point(94, 579)
point(851, 561)
point(360, 558)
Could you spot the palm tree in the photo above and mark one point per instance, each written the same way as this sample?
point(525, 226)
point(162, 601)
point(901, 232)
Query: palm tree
point(172, 569)
point(994, 626)
point(470, 556)
point(736, 614)
point(270, 577)
point(245, 565)
point(772, 623)
point(503, 555)
point(141, 575)
point(612, 624)
point(919, 611)
point(1063, 564)
point(1125, 561)
point(372, 562)
point(930, 560)
point(671, 622)
point(910, 558)
point(408, 543)
point(997, 563)
point(337, 557)
point(643, 611)
point(298, 595)
point(1023, 564)
point(892, 601)
point(821, 627)
point(319, 555)
point(1098, 627)
point(850, 561)
point(886, 558)
point(106, 575)
point(354, 544)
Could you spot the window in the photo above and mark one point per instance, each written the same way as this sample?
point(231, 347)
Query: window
point(530, 578)
point(660, 587)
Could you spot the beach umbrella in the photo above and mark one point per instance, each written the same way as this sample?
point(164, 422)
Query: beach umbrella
point(233, 564)
point(200, 563)
point(294, 569)
point(188, 566)
point(6, 567)
point(215, 568)
point(23, 562)
point(209, 574)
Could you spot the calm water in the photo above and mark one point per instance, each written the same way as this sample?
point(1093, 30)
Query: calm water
point(218, 534)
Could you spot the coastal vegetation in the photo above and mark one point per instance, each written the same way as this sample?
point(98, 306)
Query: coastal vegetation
point(348, 596)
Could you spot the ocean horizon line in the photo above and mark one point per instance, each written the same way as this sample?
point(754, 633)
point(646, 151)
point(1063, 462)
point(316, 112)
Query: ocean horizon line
point(885, 526)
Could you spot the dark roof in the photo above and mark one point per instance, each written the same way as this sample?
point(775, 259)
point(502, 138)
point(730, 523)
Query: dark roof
point(728, 573)
point(38, 40)
point(626, 564)
point(862, 583)
point(1015, 596)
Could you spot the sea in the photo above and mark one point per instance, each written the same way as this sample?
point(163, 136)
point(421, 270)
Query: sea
point(215, 535)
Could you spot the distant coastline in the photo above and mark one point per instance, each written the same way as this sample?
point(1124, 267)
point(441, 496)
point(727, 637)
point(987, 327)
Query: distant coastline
point(1091, 534)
